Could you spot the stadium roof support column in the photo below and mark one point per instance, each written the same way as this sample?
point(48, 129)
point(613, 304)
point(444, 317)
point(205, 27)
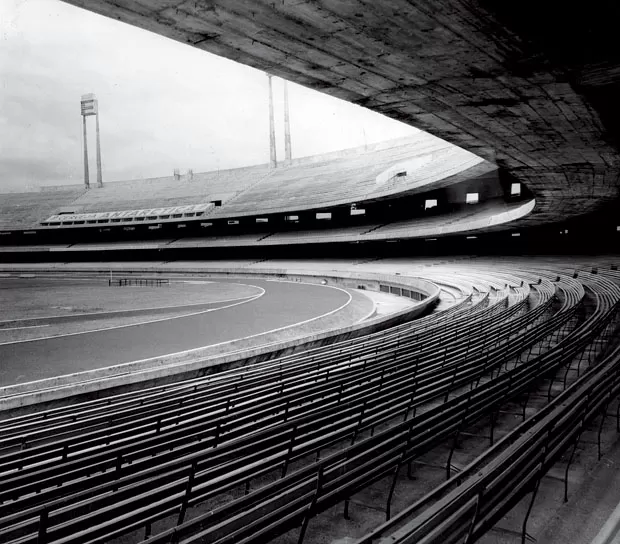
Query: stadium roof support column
point(288, 155)
point(272, 128)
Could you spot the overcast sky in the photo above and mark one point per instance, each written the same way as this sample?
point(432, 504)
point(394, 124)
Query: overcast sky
point(163, 105)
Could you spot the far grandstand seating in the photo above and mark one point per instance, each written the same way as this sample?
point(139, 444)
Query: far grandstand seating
point(316, 236)
point(23, 210)
point(352, 178)
point(166, 191)
point(406, 165)
point(219, 241)
point(474, 217)
point(172, 213)
point(468, 219)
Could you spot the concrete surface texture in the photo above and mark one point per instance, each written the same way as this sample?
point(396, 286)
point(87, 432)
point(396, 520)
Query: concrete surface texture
point(386, 303)
point(530, 87)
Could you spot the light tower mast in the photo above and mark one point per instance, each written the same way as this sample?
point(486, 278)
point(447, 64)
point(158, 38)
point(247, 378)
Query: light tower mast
point(288, 155)
point(89, 106)
point(99, 176)
point(272, 128)
point(86, 178)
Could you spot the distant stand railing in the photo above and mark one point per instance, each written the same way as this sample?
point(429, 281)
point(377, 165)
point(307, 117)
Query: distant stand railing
point(144, 282)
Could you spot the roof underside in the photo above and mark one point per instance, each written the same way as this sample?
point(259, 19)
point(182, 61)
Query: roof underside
point(530, 87)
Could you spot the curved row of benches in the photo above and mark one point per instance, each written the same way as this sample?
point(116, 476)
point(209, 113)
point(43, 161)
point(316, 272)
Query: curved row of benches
point(467, 505)
point(199, 439)
point(318, 487)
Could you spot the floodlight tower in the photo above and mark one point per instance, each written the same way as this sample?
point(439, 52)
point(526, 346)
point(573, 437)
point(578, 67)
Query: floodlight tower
point(272, 128)
point(89, 106)
point(288, 155)
point(86, 179)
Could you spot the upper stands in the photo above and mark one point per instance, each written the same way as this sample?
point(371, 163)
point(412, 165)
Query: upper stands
point(166, 191)
point(219, 241)
point(354, 178)
point(470, 218)
point(24, 210)
point(403, 166)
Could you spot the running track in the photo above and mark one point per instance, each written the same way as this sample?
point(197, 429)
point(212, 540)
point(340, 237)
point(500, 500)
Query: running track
point(282, 304)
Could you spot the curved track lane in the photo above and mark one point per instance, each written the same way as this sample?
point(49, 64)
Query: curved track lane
point(283, 304)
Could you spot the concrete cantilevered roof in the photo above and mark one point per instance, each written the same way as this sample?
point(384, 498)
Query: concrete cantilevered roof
point(529, 86)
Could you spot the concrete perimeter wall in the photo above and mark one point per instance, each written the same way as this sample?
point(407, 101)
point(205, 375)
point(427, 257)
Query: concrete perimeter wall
point(196, 363)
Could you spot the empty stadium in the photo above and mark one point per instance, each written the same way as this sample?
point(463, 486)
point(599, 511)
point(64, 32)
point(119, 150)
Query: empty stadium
point(413, 340)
